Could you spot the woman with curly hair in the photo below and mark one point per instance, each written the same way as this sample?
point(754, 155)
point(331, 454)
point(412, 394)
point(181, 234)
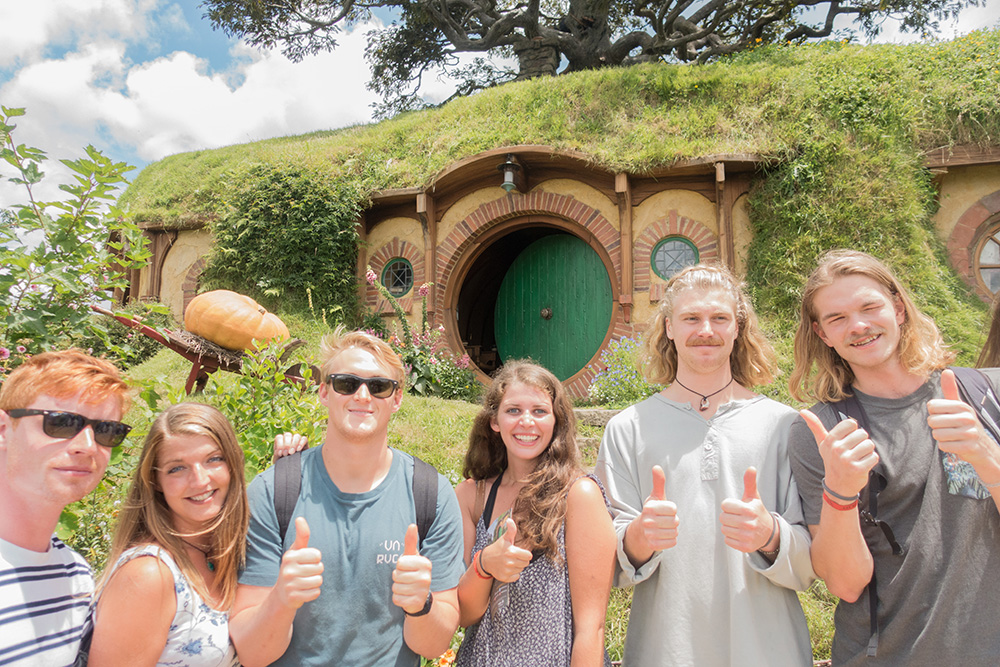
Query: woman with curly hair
point(539, 542)
point(178, 548)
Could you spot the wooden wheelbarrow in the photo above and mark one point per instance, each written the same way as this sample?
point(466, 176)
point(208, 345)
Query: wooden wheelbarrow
point(205, 356)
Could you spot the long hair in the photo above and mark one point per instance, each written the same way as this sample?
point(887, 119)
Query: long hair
point(146, 517)
point(342, 339)
point(752, 361)
point(921, 348)
point(540, 507)
point(64, 373)
point(989, 356)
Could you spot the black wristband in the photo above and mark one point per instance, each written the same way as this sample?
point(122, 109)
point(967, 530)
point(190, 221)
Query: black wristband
point(427, 606)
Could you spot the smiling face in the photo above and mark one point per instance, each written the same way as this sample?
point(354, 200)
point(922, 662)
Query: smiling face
point(525, 421)
point(861, 321)
point(193, 476)
point(703, 328)
point(359, 416)
point(49, 473)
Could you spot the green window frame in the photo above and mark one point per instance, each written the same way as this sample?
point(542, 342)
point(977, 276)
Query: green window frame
point(397, 276)
point(671, 254)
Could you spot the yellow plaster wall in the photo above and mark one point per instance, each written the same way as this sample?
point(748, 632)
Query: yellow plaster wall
point(465, 206)
point(687, 203)
point(189, 247)
point(959, 189)
point(584, 193)
point(403, 228)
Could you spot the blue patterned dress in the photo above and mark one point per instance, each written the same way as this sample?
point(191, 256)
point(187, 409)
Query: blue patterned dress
point(199, 635)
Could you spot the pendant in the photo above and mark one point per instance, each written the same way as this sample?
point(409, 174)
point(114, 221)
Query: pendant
point(704, 404)
point(211, 565)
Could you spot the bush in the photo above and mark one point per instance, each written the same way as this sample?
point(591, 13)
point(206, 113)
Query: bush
point(123, 345)
point(620, 383)
point(285, 230)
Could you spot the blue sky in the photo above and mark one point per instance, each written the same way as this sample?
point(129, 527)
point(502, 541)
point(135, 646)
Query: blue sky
point(143, 79)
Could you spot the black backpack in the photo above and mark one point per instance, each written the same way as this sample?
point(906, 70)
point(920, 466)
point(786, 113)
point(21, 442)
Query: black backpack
point(976, 390)
point(288, 481)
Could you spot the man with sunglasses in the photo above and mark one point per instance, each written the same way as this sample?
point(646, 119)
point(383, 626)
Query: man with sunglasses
point(352, 578)
point(60, 417)
point(900, 482)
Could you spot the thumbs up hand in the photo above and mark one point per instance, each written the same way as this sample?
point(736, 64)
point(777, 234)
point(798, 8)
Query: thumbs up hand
point(502, 559)
point(411, 580)
point(658, 521)
point(747, 526)
point(848, 453)
point(956, 427)
point(301, 573)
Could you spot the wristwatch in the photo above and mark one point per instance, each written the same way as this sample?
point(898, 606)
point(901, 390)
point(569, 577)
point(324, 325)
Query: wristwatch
point(427, 606)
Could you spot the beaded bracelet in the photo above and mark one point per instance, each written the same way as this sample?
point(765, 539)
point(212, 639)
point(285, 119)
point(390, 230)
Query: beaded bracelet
point(478, 566)
point(837, 506)
point(774, 529)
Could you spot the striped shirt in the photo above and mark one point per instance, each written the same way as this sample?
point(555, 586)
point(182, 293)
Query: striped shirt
point(44, 600)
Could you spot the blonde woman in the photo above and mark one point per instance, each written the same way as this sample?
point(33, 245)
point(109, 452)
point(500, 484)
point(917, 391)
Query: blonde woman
point(178, 548)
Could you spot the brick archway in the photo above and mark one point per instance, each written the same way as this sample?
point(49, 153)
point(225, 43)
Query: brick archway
point(966, 235)
point(389, 251)
point(672, 224)
point(189, 288)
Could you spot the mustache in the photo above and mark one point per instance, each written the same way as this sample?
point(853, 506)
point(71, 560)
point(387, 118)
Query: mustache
point(695, 341)
point(868, 333)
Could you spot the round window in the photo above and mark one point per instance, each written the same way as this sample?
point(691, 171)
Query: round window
point(672, 254)
point(988, 260)
point(397, 276)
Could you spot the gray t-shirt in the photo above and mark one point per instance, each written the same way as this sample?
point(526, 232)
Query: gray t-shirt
point(938, 602)
point(353, 622)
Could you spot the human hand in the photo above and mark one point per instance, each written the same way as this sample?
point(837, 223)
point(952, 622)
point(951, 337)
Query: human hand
point(955, 425)
point(289, 443)
point(847, 451)
point(505, 561)
point(658, 521)
point(747, 526)
point(301, 573)
point(411, 580)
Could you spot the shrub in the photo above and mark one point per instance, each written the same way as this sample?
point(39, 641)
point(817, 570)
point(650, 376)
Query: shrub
point(620, 383)
point(123, 345)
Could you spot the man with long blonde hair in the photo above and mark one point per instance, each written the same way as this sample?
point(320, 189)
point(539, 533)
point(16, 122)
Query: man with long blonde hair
point(351, 584)
point(709, 527)
point(905, 531)
point(60, 417)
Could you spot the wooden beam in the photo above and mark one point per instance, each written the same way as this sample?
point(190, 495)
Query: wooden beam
point(624, 192)
point(724, 218)
point(362, 257)
point(428, 222)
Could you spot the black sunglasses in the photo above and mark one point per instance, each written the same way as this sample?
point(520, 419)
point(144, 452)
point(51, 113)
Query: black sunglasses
point(67, 424)
point(347, 384)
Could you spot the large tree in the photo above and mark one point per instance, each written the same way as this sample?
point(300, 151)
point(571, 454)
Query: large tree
point(427, 35)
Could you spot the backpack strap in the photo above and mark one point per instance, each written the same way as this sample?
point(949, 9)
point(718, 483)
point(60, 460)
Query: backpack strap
point(976, 390)
point(287, 482)
point(477, 509)
point(425, 492)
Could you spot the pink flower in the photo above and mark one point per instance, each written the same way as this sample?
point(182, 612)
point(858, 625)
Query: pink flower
point(423, 290)
point(463, 361)
point(20, 349)
point(441, 328)
point(4, 353)
point(370, 276)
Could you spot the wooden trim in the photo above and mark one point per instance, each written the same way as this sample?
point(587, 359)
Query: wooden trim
point(624, 191)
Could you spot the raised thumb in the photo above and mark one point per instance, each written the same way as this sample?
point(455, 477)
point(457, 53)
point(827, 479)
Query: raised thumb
point(949, 385)
point(411, 540)
point(659, 482)
point(750, 485)
point(511, 533)
point(301, 533)
point(815, 425)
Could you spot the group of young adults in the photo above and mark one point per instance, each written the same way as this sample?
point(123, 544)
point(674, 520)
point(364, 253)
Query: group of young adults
point(714, 502)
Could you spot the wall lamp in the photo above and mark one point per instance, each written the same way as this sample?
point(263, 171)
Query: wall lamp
point(510, 170)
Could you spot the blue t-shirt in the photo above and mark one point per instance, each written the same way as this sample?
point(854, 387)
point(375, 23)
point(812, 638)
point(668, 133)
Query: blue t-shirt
point(353, 622)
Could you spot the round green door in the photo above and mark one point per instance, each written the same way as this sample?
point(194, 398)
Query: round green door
point(554, 305)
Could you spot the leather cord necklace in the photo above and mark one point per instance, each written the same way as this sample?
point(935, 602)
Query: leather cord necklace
point(704, 397)
point(208, 562)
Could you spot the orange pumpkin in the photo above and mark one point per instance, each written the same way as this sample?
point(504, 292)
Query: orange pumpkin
point(232, 320)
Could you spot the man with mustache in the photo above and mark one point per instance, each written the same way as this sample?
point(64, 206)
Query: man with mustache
point(59, 421)
point(902, 509)
point(709, 527)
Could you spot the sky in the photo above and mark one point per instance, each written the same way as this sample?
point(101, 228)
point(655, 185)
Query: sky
point(144, 79)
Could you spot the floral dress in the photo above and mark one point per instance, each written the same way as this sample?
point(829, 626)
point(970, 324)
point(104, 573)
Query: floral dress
point(533, 625)
point(199, 635)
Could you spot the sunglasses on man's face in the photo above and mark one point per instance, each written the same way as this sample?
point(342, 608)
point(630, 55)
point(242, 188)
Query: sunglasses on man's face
point(347, 384)
point(65, 425)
